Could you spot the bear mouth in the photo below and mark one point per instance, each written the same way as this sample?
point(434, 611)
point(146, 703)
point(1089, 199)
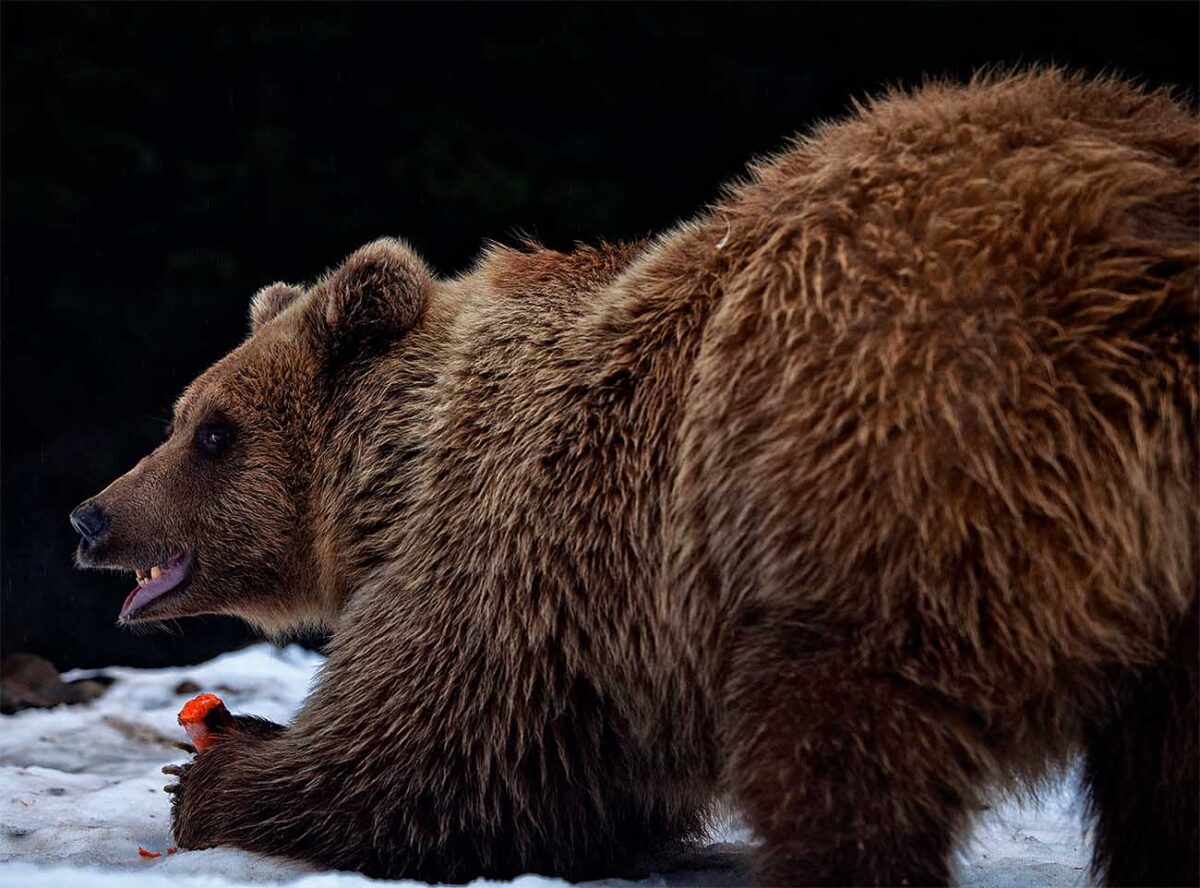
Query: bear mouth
point(156, 582)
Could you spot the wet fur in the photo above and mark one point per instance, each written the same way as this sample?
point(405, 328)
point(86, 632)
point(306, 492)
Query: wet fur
point(869, 490)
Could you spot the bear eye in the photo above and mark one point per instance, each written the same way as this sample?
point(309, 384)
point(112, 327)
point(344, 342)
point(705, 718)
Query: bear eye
point(213, 438)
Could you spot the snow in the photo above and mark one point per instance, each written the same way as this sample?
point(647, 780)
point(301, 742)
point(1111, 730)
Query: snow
point(81, 790)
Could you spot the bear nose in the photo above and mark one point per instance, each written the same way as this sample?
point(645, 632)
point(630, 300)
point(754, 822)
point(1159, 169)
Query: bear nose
point(90, 521)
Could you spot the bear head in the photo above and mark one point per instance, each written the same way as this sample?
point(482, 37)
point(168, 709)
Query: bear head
point(223, 518)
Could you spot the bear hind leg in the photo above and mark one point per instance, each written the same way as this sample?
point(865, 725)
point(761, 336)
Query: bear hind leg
point(849, 780)
point(1141, 774)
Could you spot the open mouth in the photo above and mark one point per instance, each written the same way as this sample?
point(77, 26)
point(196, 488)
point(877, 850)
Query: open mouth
point(156, 582)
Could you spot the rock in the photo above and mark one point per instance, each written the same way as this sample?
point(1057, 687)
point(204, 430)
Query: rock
point(28, 681)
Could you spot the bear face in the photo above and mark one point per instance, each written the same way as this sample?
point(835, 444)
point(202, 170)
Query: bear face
point(219, 519)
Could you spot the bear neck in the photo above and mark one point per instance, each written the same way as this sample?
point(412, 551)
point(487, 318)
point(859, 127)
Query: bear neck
point(530, 384)
point(371, 434)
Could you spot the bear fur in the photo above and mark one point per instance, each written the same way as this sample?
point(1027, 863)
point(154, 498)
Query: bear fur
point(868, 492)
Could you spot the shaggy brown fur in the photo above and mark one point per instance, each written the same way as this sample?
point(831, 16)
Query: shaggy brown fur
point(870, 490)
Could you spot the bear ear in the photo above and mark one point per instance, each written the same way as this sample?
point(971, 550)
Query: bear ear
point(378, 293)
point(270, 301)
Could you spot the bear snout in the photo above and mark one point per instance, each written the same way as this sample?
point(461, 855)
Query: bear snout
point(91, 522)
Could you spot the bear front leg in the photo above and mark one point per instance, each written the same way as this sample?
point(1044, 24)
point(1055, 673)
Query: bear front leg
point(849, 778)
point(254, 789)
point(201, 812)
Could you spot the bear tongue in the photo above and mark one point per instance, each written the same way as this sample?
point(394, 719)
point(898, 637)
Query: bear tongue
point(170, 575)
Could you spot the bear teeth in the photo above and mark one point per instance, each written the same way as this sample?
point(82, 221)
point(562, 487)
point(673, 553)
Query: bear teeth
point(146, 576)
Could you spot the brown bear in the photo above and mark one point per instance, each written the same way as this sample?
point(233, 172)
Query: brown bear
point(867, 492)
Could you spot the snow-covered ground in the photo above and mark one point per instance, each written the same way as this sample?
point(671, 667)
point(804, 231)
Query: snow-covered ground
point(81, 791)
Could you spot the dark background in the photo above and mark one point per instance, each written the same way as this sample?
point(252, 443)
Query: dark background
point(162, 162)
